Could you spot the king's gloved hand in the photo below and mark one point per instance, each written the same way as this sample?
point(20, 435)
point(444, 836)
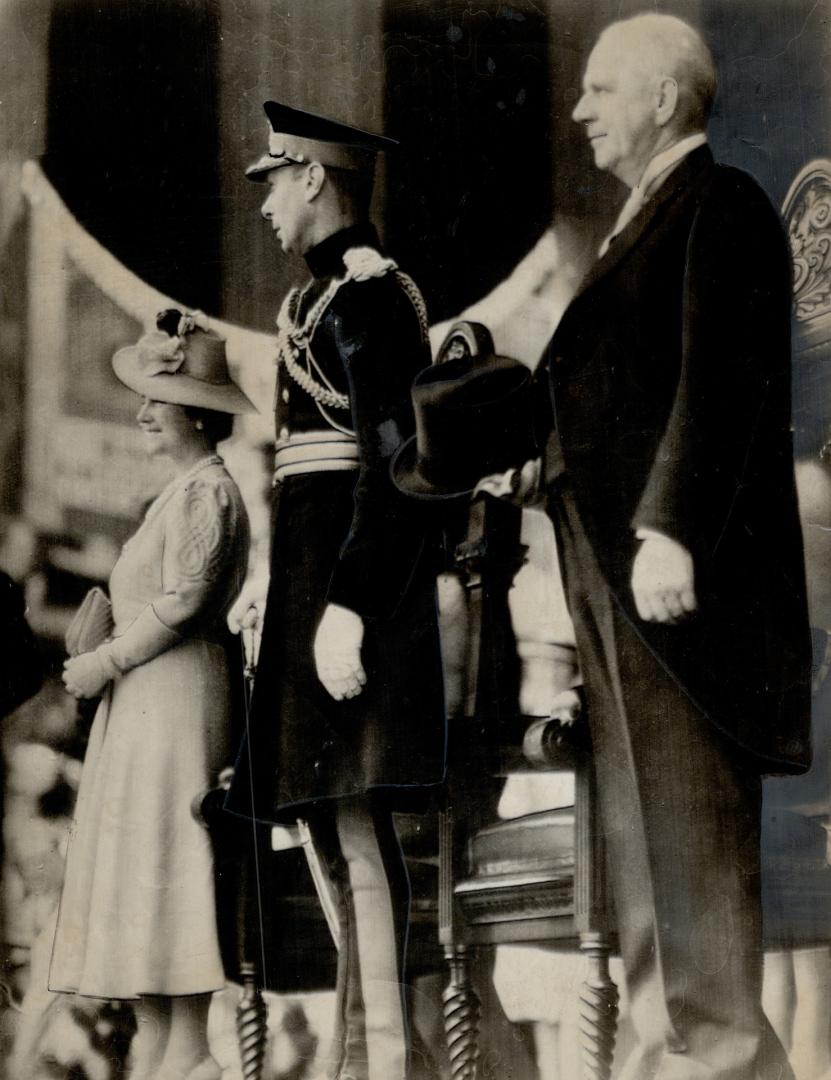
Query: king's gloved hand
point(337, 652)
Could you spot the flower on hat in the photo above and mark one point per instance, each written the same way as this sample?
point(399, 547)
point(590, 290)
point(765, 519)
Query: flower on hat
point(156, 354)
point(163, 350)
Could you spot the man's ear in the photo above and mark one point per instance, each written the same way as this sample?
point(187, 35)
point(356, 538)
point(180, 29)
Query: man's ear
point(666, 100)
point(315, 179)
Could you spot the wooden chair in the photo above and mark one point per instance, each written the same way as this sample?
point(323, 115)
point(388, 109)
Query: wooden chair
point(537, 879)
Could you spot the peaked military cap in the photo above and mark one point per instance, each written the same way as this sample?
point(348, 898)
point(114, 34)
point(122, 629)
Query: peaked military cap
point(296, 137)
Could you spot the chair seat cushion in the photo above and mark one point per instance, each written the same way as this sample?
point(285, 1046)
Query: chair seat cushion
point(522, 869)
point(525, 867)
point(533, 843)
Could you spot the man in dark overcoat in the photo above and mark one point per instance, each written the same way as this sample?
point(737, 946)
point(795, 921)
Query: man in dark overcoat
point(669, 475)
point(347, 717)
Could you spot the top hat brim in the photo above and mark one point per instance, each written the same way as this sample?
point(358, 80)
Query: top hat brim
point(179, 388)
point(408, 477)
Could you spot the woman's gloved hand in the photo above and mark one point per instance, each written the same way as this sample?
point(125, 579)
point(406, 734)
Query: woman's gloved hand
point(85, 676)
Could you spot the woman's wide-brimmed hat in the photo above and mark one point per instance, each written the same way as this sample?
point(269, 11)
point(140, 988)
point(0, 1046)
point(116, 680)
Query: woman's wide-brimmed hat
point(474, 416)
point(181, 362)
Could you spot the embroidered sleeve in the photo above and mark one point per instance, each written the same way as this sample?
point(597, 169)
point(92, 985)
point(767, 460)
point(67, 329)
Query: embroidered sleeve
point(203, 566)
point(201, 555)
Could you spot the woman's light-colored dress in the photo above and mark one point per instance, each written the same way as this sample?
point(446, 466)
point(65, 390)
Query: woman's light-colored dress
point(137, 913)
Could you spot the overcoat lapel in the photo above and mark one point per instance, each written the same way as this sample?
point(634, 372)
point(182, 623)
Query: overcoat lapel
point(680, 180)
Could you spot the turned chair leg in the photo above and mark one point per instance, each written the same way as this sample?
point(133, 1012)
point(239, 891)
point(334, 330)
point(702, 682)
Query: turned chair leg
point(598, 1009)
point(462, 1015)
point(252, 1025)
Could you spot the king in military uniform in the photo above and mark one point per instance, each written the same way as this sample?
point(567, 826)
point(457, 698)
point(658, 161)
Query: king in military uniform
point(347, 717)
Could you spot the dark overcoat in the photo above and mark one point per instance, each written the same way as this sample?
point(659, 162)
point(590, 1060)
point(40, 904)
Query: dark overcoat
point(670, 387)
point(349, 538)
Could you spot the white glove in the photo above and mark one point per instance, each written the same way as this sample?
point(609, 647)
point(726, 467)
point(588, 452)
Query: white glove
point(542, 743)
point(520, 487)
point(663, 580)
point(85, 676)
point(566, 707)
point(337, 652)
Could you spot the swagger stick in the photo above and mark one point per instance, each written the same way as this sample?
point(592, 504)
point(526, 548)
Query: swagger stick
point(252, 1013)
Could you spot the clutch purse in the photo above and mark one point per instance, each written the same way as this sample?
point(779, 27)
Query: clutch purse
point(91, 624)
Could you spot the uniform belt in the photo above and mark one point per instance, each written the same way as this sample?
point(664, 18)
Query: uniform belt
point(314, 451)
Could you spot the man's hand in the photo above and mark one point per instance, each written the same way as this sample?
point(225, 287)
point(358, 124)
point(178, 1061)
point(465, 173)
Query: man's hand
point(84, 676)
point(545, 738)
point(337, 652)
point(663, 580)
point(520, 487)
point(252, 595)
point(566, 707)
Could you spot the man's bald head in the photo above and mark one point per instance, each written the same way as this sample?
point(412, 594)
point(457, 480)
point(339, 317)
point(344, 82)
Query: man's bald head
point(664, 45)
point(649, 81)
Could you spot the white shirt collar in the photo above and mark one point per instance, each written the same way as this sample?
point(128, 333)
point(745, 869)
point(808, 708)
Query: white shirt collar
point(661, 164)
point(653, 176)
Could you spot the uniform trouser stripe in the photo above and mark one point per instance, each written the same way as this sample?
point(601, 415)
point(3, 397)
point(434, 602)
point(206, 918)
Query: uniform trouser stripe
point(359, 848)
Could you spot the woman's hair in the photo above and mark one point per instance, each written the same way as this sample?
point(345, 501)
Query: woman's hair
point(216, 425)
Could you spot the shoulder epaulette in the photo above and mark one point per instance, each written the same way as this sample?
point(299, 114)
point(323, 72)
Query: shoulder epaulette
point(364, 263)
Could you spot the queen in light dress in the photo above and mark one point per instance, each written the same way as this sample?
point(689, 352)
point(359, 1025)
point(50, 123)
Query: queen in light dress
point(137, 918)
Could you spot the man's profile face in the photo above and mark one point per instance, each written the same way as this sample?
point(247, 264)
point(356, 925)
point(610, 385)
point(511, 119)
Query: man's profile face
point(617, 107)
point(286, 208)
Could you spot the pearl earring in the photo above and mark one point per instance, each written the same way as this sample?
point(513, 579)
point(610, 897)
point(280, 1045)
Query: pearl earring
point(200, 425)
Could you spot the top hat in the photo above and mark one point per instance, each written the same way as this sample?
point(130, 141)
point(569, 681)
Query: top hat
point(181, 362)
point(297, 137)
point(474, 416)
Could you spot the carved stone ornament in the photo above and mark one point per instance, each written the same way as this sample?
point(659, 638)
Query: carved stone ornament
point(807, 213)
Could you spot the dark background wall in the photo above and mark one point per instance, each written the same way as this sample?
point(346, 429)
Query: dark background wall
point(322, 55)
point(152, 109)
point(132, 135)
point(773, 112)
point(468, 92)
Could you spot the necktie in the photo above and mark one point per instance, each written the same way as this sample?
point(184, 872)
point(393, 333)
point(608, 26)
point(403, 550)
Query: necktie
point(637, 197)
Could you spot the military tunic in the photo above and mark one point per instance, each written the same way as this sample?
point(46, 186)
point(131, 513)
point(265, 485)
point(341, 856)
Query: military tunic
point(345, 535)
